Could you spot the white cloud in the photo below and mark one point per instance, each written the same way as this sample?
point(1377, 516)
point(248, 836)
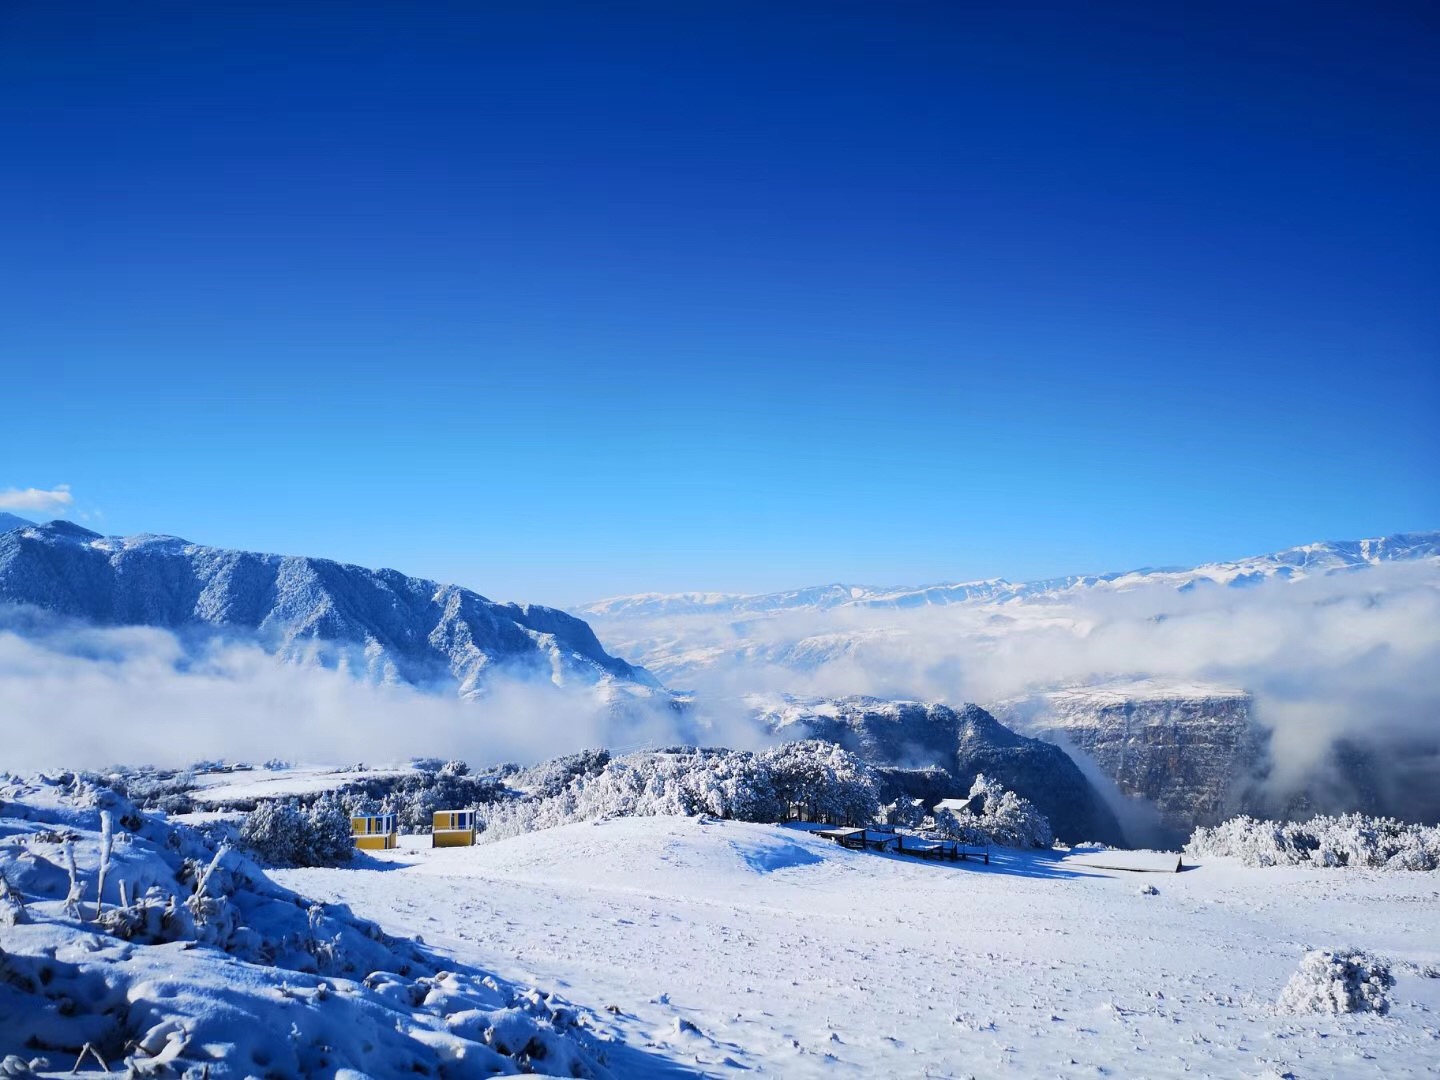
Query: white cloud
point(37, 499)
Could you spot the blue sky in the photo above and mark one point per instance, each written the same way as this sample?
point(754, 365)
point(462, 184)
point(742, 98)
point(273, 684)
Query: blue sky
point(572, 303)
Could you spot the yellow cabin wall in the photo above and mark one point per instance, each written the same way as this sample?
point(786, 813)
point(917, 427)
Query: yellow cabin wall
point(452, 837)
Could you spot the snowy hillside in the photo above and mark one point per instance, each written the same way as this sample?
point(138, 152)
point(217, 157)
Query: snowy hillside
point(731, 948)
point(10, 521)
point(379, 624)
point(130, 942)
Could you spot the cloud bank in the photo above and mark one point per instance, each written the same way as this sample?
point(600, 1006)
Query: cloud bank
point(37, 499)
point(77, 696)
point(1337, 661)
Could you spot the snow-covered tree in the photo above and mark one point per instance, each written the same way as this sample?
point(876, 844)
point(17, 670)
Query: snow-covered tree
point(1003, 818)
point(904, 813)
point(827, 782)
point(1345, 840)
point(1011, 821)
point(830, 783)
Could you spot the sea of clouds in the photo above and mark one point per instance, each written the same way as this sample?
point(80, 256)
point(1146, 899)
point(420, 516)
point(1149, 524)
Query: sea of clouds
point(1345, 659)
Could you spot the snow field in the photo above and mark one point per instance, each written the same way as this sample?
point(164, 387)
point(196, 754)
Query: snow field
point(725, 946)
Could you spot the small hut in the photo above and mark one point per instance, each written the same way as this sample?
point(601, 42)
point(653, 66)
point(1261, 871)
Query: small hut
point(453, 828)
point(375, 832)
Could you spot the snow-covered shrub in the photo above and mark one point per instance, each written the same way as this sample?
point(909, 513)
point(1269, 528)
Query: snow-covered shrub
point(284, 834)
point(1338, 981)
point(1345, 840)
point(150, 788)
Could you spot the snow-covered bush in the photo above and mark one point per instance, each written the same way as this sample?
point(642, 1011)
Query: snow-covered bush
point(1346, 840)
point(284, 834)
point(150, 788)
point(1339, 981)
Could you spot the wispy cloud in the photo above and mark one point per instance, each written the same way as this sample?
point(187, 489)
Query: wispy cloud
point(37, 499)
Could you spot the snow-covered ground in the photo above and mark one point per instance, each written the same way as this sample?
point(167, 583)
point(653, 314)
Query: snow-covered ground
point(728, 947)
point(242, 785)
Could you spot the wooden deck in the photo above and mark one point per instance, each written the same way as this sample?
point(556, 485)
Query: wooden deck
point(900, 843)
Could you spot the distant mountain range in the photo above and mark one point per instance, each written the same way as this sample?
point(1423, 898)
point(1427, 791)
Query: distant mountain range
point(379, 624)
point(684, 636)
point(1295, 563)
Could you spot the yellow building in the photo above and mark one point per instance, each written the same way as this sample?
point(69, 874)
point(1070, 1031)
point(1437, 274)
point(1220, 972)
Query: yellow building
point(453, 828)
point(375, 833)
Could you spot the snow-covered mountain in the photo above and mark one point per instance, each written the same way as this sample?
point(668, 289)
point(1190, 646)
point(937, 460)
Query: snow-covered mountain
point(380, 624)
point(963, 742)
point(1308, 560)
point(10, 521)
point(686, 638)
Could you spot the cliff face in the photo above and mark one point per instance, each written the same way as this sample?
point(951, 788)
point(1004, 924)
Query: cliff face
point(912, 735)
point(379, 623)
point(1193, 752)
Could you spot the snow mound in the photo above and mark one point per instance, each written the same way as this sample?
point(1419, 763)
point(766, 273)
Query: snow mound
point(141, 944)
point(1342, 981)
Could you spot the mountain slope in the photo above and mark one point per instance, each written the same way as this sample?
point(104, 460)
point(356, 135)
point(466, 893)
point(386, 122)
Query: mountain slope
point(380, 623)
point(963, 742)
point(10, 521)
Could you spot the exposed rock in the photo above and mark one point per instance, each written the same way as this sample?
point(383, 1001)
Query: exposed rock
point(1194, 752)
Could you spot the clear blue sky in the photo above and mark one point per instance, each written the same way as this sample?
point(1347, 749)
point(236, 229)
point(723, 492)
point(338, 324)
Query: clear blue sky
point(580, 302)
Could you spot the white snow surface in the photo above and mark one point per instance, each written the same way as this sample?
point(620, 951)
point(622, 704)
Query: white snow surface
point(130, 942)
point(726, 947)
point(242, 785)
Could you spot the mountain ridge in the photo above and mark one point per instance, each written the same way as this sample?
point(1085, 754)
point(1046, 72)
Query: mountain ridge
point(392, 627)
point(1294, 563)
point(10, 521)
